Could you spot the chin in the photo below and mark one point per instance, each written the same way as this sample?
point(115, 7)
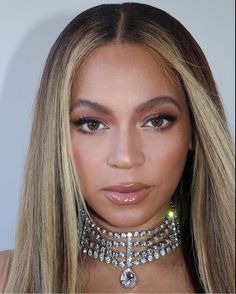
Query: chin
point(127, 217)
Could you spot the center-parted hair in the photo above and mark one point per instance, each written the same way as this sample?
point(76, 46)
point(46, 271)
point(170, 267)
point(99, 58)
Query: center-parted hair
point(46, 257)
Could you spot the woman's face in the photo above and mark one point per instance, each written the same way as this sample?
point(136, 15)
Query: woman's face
point(139, 131)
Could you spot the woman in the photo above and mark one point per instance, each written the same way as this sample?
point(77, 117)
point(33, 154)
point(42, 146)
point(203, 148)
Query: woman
point(128, 129)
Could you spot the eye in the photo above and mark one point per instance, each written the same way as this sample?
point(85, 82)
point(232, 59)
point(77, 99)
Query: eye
point(160, 122)
point(88, 125)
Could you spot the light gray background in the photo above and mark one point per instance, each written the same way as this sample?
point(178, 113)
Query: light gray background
point(28, 29)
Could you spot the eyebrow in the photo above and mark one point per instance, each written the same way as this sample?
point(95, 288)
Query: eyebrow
point(147, 105)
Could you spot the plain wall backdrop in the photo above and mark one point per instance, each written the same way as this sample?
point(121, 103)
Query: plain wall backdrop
point(28, 29)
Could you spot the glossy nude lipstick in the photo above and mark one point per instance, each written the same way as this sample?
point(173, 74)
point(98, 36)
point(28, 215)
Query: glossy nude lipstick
point(125, 194)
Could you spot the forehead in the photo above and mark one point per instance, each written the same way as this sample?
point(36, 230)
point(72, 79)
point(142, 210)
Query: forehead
point(123, 73)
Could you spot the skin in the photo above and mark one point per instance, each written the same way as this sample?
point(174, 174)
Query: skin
point(127, 146)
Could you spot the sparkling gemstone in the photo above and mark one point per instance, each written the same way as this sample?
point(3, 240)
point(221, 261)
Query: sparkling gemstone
point(108, 259)
point(122, 264)
point(101, 256)
point(156, 255)
point(168, 249)
point(136, 234)
point(136, 262)
point(161, 245)
point(123, 235)
point(143, 254)
point(167, 241)
point(128, 278)
point(129, 261)
point(150, 251)
point(90, 252)
point(162, 252)
point(93, 233)
point(149, 232)
point(98, 237)
point(156, 230)
point(143, 260)
point(97, 247)
point(115, 254)
point(142, 234)
point(129, 245)
point(122, 254)
point(136, 244)
point(103, 242)
point(114, 262)
point(173, 246)
point(109, 243)
point(150, 257)
point(95, 254)
point(156, 238)
point(136, 254)
point(109, 252)
point(116, 235)
point(103, 249)
point(150, 243)
point(143, 243)
point(115, 244)
point(129, 234)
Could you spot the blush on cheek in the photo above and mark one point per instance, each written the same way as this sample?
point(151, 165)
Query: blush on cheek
point(171, 163)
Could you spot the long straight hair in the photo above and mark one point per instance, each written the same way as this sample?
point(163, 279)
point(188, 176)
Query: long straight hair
point(46, 256)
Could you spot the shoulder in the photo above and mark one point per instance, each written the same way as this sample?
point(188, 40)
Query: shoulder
point(4, 262)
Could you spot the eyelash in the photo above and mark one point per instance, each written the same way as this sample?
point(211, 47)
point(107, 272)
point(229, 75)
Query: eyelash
point(85, 120)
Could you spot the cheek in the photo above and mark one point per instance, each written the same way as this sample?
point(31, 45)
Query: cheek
point(167, 159)
point(87, 159)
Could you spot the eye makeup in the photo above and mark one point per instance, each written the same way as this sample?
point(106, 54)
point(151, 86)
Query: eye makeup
point(90, 125)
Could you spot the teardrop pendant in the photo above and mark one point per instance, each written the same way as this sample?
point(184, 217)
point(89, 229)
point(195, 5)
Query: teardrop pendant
point(128, 278)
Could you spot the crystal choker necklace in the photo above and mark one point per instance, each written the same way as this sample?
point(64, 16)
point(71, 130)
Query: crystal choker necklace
point(129, 249)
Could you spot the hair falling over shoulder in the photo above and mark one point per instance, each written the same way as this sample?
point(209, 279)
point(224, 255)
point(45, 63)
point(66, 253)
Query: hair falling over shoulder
point(46, 257)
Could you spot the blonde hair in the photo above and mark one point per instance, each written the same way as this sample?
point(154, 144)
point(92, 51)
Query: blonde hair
point(46, 257)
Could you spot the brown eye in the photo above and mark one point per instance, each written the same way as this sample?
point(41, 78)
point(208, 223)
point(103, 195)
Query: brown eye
point(157, 122)
point(93, 125)
point(160, 122)
point(88, 125)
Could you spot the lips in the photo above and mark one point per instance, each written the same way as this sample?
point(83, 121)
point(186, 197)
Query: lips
point(126, 188)
point(129, 193)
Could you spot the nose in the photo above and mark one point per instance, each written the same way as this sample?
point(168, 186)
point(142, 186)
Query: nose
point(125, 151)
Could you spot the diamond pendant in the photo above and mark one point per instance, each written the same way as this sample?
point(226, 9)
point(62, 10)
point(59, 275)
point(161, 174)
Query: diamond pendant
point(128, 278)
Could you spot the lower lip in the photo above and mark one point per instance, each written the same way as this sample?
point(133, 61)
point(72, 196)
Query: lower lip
point(127, 198)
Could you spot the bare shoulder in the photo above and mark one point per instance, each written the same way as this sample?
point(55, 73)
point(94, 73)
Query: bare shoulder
point(4, 262)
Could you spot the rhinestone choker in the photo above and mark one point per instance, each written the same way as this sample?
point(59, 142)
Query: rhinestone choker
point(130, 249)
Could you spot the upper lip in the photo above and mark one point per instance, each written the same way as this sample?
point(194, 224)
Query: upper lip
point(127, 187)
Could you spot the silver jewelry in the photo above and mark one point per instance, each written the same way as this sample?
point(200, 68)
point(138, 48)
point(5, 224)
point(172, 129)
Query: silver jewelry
point(129, 249)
